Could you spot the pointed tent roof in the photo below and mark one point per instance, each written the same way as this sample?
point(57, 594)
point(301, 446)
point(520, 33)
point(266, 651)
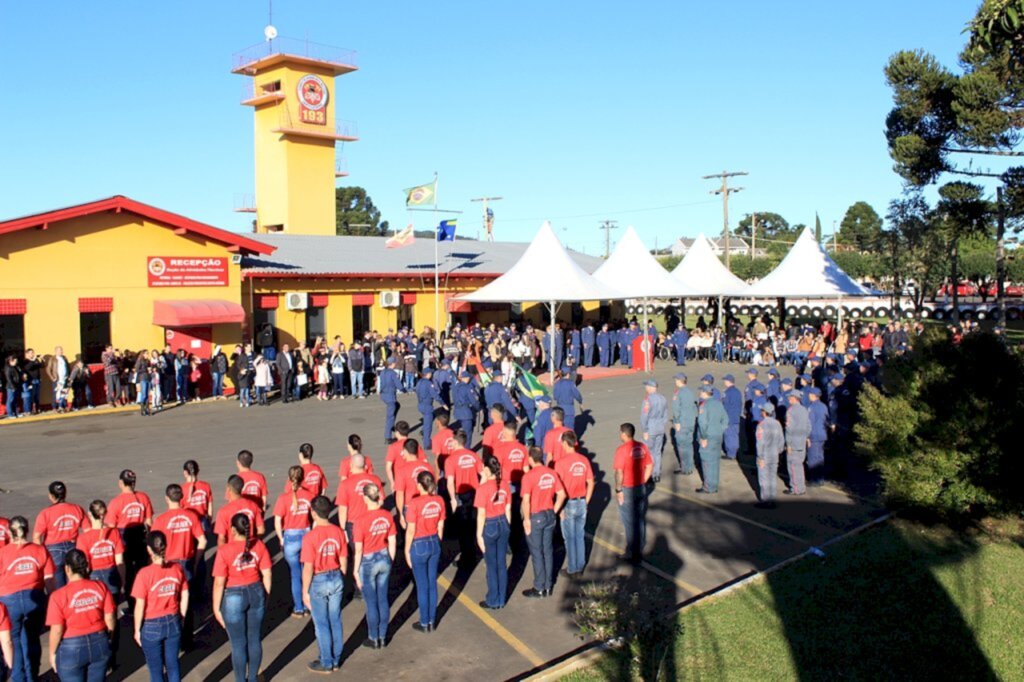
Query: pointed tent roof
point(636, 273)
point(807, 271)
point(702, 271)
point(544, 272)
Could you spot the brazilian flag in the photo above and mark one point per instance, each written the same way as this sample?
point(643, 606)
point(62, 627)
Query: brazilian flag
point(529, 385)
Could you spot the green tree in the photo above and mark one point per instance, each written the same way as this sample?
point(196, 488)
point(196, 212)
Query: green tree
point(861, 265)
point(817, 227)
point(963, 212)
point(915, 248)
point(749, 269)
point(861, 227)
point(978, 264)
point(356, 214)
point(768, 224)
point(949, 124)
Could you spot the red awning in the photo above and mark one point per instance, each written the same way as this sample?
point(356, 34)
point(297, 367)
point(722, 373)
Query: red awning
point(196, 312)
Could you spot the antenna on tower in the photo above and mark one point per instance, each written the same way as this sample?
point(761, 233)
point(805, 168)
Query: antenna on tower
point(270, 32)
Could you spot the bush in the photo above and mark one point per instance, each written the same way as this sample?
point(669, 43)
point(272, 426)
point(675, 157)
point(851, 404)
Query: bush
point(637, 618)
point(947, 428)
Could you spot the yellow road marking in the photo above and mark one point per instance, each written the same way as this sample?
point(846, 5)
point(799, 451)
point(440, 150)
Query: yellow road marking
point(734, 515)
point(494, 625)
point(649, 567)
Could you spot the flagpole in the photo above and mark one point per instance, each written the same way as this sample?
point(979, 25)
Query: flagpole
point(437, 278)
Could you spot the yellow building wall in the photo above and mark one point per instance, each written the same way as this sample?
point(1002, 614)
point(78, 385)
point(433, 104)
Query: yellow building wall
point(103, 255)
point(294, 174)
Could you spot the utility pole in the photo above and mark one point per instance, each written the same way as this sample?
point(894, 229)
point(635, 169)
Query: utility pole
point(1000, 258)
point(753, 235)
point(725, 191)
point(608, 226)
point(488, 220)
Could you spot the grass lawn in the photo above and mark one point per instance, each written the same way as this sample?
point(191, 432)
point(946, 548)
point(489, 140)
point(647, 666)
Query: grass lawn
point(899, 602)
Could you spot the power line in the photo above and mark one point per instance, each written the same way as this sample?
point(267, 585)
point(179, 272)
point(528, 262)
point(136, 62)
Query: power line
point(607, 213)
point(725, 191)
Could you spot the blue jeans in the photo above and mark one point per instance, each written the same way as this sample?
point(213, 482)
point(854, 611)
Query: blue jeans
point(27, 611)
point(292, 550)
point(182, 387)
point(338, 383)
point(109, 577)
point(26, 399)
point(84, 659)
point(57, 552)
point(574, 519)
point(357, 382)
point(243, 608)
point(143, 396)
point(633, 513)
point(374, 571)
point(218, 384)
point(161, 644)
point(12, 402)
point(245, 395)
point(325, 599)
point(425, 553)
point(409, 381)
point(542, 530)
point(496, 532)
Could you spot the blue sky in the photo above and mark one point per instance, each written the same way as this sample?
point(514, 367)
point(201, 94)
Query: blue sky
point(572, 111)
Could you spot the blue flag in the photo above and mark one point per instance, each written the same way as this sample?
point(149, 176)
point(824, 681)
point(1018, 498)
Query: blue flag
point(446, 231)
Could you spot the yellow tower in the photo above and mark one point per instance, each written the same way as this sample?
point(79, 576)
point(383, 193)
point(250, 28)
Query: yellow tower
point(293, 98)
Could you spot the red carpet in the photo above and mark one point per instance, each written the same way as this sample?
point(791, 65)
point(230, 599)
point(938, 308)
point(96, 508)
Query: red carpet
point(589, 373)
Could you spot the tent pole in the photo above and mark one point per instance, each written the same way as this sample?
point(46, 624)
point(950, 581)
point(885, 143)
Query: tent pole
point(551, 346)
point(719, 311)
point(839, 313)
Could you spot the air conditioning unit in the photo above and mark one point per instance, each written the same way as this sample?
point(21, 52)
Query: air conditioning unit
point(390, 299)
point(297, 301)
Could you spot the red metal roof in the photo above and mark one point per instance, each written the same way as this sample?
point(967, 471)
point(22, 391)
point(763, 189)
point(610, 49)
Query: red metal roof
point(196, 312)
point(271, 274)
point(234, 242)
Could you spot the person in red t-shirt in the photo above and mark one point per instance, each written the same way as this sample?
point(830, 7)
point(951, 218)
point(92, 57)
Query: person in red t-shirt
point(81, 617)
point(241, 583)
point(26, 569)
point(198, 495)
point(355, 447)
point(511, 455)
point(131, 513)
point(396, 451)
point(237, 504)
point(543, 496)
point(161, 601)
point(57, 528)
point(633, 468)
point(5, 532)
point(323, 558)
point(425, 518)
point(292, 521)
point(254, 484)
point(374, 539)
point(313, 479)
point(443, 440)
point(350, 501)
point(553, 438)
point(493, 502)
point(493, 432)
point(104, 549)
point(186, 545)
point(577, 477)
point(462, 474)
point(407, 469)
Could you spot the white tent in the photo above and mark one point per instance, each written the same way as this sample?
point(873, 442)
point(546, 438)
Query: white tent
point(633, 270)
point(807, 271)
point(702, 270)
point(545, 273)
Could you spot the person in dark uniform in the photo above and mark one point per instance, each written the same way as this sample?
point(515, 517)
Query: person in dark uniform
point(798, 431)
point(495, 393)
point(678, 341)
point(443, 380)
point(712, 422)
point(427, 394)
point(817, 412)
point(566, 395)
point(465, 404)
point(388, 386)
point(604, 345)
point(587, 337)
point(732, 401)
point(542, 424)
point(286, 371)
point(684, 421)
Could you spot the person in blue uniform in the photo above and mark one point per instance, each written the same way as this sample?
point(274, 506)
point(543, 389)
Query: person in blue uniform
point(709, 381)
point(427, 394)
point(495, 393)
point(465, 404)
point(623, 340)
point(566, 395)
point(679, 339)
point(604, 346)
point(542, 424)
point(443, 380)
point(684, 421)
point(587, 337)
point(553, 331)
point(817, 412)
point(748, 391)
point(528, 413)
point(575, 346)
point(785, 387)
point(388, 385)
point(772, 390)
point(712, 421)
point(732, 401)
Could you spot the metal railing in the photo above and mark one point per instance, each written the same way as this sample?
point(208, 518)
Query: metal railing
point(296, 47)
point(340, 167)
point(346, 129)
point(250, 90)
point(244, 203)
